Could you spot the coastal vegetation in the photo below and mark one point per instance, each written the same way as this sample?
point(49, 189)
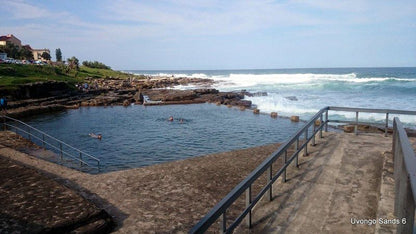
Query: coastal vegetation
point(95, 64)
point(16, 74)
point(16, 52)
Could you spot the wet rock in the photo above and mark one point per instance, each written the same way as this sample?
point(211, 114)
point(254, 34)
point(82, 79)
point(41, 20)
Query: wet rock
point(292, 98)
point(256, 111)
point(294, 118)
point(126, 103)
point(138, 97)
point(273, 114)
point(257, 94)
point(349, 128)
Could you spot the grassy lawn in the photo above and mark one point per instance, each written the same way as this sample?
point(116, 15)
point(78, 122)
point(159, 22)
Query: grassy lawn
point(15, 74)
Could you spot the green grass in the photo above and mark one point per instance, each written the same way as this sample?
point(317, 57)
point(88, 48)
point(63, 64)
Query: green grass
point(15, 74)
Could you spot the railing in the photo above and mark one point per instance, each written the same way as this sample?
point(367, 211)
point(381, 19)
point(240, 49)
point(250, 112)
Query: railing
point(366, 110)
point(404, 177)
point(316, 124)
point(51, 143)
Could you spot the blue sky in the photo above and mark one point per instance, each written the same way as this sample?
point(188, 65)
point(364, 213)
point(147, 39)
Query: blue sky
point(201, 34)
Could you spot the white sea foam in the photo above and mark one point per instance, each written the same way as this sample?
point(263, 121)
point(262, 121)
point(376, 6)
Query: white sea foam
point(314, 91)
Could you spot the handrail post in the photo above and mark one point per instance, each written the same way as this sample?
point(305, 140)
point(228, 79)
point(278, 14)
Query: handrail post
point(80, 157)
point(305, 151)
point(356, 123)
point(313, 134)
point(248, 203)
point(270, 172)
point(296, 151)
point(62, 155)
point(284, 161)
point(387, 124)
point(326, 121)
point(322, 122)
point(43, 141)
point(223, 227)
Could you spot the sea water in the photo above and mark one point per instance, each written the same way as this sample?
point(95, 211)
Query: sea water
point(304, 91)
point(139, 136)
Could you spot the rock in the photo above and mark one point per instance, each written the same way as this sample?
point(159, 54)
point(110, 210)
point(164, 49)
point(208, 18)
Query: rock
point(257, 94)
point(138, 97)
point(218, 103)
point(126, 103)
point(292, 98)
point(206, 91)
point(242, 108)
point(229, 106)
point(245, 103)
point(84, 104)
point(273, 114)
point(317, 122)
point(349, 128)
point(72, 107)
point(256, 111)
point(294, 118)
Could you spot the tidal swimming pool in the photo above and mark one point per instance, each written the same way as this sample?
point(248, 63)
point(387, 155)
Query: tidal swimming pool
point(137, 136)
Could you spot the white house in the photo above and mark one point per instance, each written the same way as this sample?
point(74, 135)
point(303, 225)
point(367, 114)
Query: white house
point(3, 56)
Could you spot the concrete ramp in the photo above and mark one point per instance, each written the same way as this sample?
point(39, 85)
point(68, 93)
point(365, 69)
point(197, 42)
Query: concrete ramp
point(337, 185)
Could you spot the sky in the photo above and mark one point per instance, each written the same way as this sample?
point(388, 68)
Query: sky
point(232, 34)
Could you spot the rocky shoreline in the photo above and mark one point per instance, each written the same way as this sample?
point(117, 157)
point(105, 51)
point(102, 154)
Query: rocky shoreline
point(43, 97)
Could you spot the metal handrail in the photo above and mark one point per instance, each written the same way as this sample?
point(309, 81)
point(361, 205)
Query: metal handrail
point(404, 177)
point(245, 185)
point(220, 208)
point(45, 142)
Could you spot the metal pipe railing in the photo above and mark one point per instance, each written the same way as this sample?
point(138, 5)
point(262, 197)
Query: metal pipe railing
point(245, 186)
point(48, 141)
point(220, 209)
point(404, 177)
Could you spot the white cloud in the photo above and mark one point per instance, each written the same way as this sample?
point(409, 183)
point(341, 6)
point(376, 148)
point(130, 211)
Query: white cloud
point(21, 10)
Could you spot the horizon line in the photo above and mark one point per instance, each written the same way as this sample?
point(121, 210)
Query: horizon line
point(233, 69)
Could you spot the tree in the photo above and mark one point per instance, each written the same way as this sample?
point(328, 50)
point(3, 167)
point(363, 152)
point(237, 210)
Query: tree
point(11, 49)
point(25, 53)
point(73, 63)
point(95, 64)
point(58, 54)
point(45, 55)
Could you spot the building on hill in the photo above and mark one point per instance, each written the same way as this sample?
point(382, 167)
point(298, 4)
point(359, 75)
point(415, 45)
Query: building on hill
point(11, 39)
point(37, 54)
point(3, 56)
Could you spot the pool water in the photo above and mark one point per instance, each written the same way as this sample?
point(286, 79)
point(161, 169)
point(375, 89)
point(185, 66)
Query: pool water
point(137, 136)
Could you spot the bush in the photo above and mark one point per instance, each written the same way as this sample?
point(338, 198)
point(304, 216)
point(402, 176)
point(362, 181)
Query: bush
point(7, 71)
point(95, 64)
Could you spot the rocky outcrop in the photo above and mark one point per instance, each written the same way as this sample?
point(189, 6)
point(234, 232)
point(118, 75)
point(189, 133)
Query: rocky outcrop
point(43, 97)
point(33, 110)
point(39, 90)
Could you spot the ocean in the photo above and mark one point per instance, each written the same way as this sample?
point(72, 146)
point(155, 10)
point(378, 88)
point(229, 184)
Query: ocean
point(304, 91)
point(137, 136)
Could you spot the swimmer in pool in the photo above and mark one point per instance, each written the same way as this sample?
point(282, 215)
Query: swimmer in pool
point(99, 136)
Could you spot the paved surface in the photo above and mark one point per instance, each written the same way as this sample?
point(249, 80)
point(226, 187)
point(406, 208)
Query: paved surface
point(338, 183)
point(33, 203)
point(164, 198)
point(341, 179)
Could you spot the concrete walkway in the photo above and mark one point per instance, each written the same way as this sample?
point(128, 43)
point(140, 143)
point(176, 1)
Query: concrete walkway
point(345, 178)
